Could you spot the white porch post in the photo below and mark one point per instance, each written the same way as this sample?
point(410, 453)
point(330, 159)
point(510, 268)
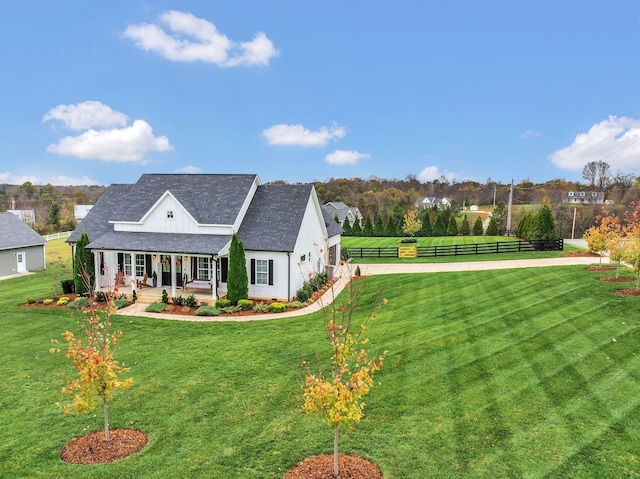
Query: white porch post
point(213, 274)
point(96, 271)
point(174, 290)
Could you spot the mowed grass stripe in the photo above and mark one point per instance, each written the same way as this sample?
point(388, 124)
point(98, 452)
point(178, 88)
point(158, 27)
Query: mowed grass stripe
point(489, 374)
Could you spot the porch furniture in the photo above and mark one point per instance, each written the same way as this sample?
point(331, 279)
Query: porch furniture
point(119, 279)
point(143, 283)
point(197, 283)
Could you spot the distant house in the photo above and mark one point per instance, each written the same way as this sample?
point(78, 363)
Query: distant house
point(28, 216)
point(21, 248)
point(342, 211)
point(80, 211)
point(180, 227)
point(583, 197)
point(431, 201)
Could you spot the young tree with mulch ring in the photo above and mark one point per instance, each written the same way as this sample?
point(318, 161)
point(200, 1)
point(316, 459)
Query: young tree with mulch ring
point(337, 394)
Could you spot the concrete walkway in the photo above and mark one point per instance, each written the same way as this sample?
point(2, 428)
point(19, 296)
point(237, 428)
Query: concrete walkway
point(345, 272)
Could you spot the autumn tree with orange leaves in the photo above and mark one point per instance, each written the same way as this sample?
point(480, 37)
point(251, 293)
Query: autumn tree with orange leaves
point(600, 236)
point(337, 393)
point(93, 359)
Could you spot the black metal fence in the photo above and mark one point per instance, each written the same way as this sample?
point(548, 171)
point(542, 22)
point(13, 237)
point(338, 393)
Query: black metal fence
point(519, 246)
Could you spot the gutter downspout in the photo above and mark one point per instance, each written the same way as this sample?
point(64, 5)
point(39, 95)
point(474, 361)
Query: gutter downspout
point(289, 276)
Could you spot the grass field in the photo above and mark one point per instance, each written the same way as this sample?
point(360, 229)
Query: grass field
point(386, 242)
point(491, 374)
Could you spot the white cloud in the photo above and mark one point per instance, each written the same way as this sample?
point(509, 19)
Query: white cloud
point(128, 144)
point(192, 39)
point(531, 134)
point(12, 179)
point(344, 157)
point(89, 114)
point(615, 140)
point(431, 173)
point(189, 169)
point(298, 135)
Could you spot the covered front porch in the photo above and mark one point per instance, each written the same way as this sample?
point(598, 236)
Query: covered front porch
point(150, 295)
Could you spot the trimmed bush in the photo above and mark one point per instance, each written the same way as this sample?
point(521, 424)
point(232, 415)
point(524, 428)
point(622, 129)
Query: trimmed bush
point(31, 300)
point(68, 286)
point(178, 301)
point(409, 240)
point(121, 303)
point(261, 308)
point(276, 307)
point(47, 301)
point(207, 310)
point(231, 309)
point(302, 295)
point(222, 303)
point(156, 307)
point(101, 296)
point(191, 301)
point(245, 304)
point(357, 272)
point(62, 301)
point(79, 303)
point(165, 296)
point(294, 305)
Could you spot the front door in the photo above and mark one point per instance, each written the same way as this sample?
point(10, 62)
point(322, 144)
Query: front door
point(166, 270)
point(21, 259)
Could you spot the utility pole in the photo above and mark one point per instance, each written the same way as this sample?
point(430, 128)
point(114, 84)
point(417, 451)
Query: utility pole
point(573, 228)
point(509, 209)
point(495, 190)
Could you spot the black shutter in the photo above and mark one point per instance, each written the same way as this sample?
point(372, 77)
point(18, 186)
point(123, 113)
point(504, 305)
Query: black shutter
point(194, 268)
point(224, 269)
point(147, 264)
point(270, 272)
point(121, 262)
point(253, 271)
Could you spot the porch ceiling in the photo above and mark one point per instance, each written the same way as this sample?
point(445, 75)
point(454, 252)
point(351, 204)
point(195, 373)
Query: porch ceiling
point(160, 242)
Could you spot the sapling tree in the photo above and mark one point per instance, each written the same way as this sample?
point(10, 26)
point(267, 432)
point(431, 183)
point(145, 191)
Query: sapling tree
point(92, 354)
point(411, 223)
point(337, 393)
point(599, 237)
point(631, 253)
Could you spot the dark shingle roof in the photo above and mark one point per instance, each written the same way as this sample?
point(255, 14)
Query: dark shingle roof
point(333, 228)
point(209, 198)
point(159, 242)
point(108, 207)
point(15, 233)
point(274, 218)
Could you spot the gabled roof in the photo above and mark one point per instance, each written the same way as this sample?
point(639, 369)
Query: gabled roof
point(274, 218)
point(209, 198)
point(15, 233)
point(333, 228)
point(108, 206)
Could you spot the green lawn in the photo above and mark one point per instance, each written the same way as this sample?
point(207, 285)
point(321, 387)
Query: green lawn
point(386, 242)
point(492, 374)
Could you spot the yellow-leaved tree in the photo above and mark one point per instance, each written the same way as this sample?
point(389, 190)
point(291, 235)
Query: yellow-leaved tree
point(93, 359)
point(600, 236)
point(337, 392)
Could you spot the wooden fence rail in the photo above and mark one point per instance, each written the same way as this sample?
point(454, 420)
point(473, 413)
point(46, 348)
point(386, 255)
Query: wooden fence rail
point(519, 246)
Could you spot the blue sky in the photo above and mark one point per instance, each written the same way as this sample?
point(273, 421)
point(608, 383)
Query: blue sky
point(100, 92)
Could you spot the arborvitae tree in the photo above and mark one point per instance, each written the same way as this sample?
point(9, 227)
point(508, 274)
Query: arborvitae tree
point(337, 218)
point(368, 227)
point(356, 230)
point(54, 215)
point(439, 229)
point(83, 266)
point(426, 223)
point(546, 225)
point(526, 227)
point(399, 225)
point(477, 227)
point(378, 228)
point(390, 227)
point(237, 279)
point(452, 229)
point(492, 228)
point(464, 229)
point(346, 226)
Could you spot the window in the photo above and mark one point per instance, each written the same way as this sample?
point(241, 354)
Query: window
point(140, 265)
point(127, 264)
point(262, 271)
point(169, 215)
point(203, 271)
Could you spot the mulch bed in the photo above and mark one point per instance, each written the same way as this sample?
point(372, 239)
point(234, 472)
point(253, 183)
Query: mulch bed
point(599, 268)
point(613, 279)
point(579, 254)
point(321, 467)
point(627, 292)
point(93, 449)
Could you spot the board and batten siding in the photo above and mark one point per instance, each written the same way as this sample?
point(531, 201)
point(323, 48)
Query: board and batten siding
point(34, 259)
point(309, 255)
point(280, 267)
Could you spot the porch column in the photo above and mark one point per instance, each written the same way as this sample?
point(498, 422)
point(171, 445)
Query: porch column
point(174, 291)
point(213, 274)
